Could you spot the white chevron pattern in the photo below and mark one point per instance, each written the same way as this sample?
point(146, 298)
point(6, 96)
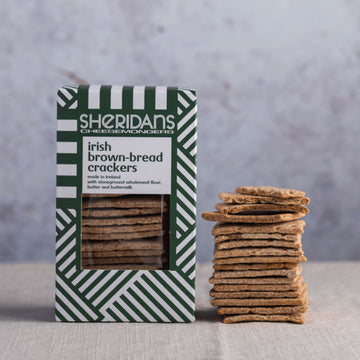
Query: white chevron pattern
point(140, 302)
point(186, 183)
point(67, 97)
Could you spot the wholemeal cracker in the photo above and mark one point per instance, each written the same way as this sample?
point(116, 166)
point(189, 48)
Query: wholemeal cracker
point(147, 201)
point(124, 260)
point(99, 254)
point(268, 310)
point(236, 198)
point(102, 195)
point(290, 273)
point(120, 229)
point(116, 213)
point(123, 267)
point(249, 208)
point(257, 294)
point(258, 243)
point(148, 244)
point(123, 236)
point(265, 266)
point(260, 259)
point(156, 219)
point(295, 318)
point(258, 236)
point(300, 300)
point(269, 191)
point(258, 287)
point(290, 227)
point(263, 219)
point(259, 281)
point(264, 251)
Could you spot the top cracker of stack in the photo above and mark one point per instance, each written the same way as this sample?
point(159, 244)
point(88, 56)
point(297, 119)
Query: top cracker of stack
point(257, 255)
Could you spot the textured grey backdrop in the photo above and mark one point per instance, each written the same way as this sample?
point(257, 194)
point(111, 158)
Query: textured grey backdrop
point(278, 102)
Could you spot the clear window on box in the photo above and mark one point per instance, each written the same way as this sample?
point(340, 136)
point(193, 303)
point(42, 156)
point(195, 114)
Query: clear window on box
point(125, 232)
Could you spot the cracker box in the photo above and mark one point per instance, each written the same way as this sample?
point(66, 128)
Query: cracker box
point(125, 204)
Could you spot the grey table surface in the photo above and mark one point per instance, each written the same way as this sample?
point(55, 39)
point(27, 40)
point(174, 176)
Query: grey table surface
point(332, 329)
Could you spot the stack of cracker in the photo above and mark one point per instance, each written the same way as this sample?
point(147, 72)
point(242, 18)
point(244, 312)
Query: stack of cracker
point(124, 232)
point(258, 251)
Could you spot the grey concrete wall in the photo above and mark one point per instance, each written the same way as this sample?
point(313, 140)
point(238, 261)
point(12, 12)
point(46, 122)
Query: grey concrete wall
point(278, 102)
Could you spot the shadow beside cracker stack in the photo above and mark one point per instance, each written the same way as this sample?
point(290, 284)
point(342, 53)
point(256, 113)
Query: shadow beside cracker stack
point(257, 253)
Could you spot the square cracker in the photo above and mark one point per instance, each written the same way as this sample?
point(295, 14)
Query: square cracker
point(269, 191)
point(121, 245)
point(290, 273)
point(295, 318)
point(120, 229)
point(260, 219)
point(260, 259)
point(116, 213)
point(257, 294)
point(258, 287)
point(123, 267)
point(124, 260)
point(123, 236)
point(265, 266)
point(300, 300)
point(258, 236)
point(231, 198)
point(234, 244)
point(102, 195)
point(289, 227)
point(294, 282)
point(154, 219)
point(120, 253)
point(265, 251)
point(147, 201)
point(249, 208)
point(269, 310)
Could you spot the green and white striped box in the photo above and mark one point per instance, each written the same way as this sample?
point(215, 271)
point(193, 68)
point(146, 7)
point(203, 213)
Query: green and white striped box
point(159, 121)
